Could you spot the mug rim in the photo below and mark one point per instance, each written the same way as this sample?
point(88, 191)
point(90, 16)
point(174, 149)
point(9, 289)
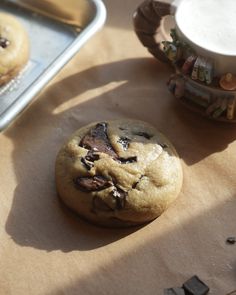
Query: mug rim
point(176, 15)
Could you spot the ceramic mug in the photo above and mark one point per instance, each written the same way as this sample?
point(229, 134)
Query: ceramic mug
point(202, 49)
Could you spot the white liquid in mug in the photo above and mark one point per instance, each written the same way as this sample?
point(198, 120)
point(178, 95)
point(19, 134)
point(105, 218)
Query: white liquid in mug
point(210, 24)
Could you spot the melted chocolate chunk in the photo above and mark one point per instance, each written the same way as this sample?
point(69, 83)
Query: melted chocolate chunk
point(120, 197)
point(194, 286)
point(4, 42)
point(97, 140)
point(127, 160)
point(136, 183)
point(143, 134)
point(100, 205)
point(92, 183)
point(89, 159)
point(92, 157)
point(124, 141)
point(163, 145)
point(231, 240)
point(86, 164)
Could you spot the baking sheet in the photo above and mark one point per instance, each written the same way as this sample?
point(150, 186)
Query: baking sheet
point(55, 37)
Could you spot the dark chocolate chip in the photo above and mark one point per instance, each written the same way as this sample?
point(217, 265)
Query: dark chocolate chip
point(89, 159)
point(4, 42)
point(143, 134)
point(174, 291)
point(231, 240)
point(92, 183)
point(92, 157)
point(86, 164)
point(194, 286)
point(136, 183)
point(120, 196)
point(100, 205)
point(124, 141)
point(97, 140)
point(127, 160)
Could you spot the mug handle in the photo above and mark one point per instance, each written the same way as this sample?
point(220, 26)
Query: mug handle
point(147, 20)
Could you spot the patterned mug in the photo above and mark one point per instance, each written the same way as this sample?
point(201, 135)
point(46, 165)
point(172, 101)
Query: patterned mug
point(201, 47)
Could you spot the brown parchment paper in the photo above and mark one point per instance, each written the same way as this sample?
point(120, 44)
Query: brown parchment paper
point(46, 250)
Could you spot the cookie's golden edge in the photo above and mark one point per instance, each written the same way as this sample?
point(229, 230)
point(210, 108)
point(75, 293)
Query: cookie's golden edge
point(115, 222)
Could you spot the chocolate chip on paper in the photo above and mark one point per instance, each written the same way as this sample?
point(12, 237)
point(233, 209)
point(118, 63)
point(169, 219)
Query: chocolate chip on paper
point(231, 240)
point(100, 205)
point(174, 291)
point(194, 286)
point(92, 156)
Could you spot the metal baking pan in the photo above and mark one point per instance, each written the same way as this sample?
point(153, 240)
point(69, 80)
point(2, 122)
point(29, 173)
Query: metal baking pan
point(57, 30)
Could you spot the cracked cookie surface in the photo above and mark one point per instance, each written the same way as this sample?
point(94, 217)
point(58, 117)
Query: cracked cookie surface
point(118, 173)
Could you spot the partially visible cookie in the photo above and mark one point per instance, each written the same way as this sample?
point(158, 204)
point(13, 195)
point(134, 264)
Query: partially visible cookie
point(118, 173)
point(14, 47)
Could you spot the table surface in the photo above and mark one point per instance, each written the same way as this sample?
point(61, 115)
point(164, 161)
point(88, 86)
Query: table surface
point(44, 249)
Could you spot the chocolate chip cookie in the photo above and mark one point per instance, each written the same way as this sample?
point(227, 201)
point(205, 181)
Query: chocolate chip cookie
point(118, 173)
point(14, 47)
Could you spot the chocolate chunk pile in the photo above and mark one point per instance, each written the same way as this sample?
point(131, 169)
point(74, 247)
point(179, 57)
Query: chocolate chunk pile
point(193, 286)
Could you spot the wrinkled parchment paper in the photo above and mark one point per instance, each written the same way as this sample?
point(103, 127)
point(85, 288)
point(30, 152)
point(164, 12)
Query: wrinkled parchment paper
point(46, 250)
